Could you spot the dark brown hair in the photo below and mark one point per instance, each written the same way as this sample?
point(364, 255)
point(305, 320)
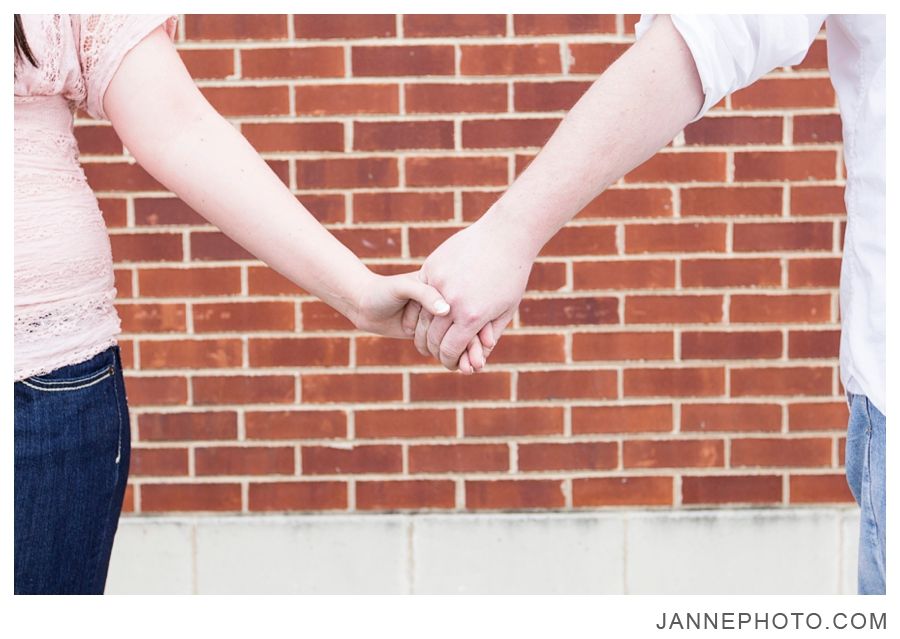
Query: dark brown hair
point(22, 48)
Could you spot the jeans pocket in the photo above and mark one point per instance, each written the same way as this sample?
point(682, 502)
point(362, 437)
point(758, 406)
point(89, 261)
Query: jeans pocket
point(76, 376)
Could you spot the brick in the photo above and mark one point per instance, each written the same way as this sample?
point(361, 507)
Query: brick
point(624, 274)
point(123, 283)
point(568, 456)
point(323, 460)
point(329, 388)
point(731, 273)
point(347, 99)
point(405, 495)
point(297, 496)
point(164, 211)
point(569, 384)
point(691, 453)
point(392, 61)
point(244, 316)
point(204, 425)
point(514, 494)
point(190, 497)
point(684, 309)
point(695, 166)
point(631, 202)
point(296, 424)
point(507, 133)
point(389, 136)
point(156, 318)
point(371, 242)
point(674, 382)
point(622, 491)
point(786, 381)
point(243, 389)
point(814, 344)
point(569, 311)
point(97, 140)
point(546, 276)
point(594, 57)
point(208, 64)
point(295, 136)
point(582, 240)
point(261, 280)
point(244, 460)
point(114, 212)
point(817, 200)
point(730, 417)
point(814, 272)
point(189, 282)
point(731, 200)
point(458, 458)
point(181, 353)
point(402, 207)
point(318, 316)
point(734, 130)
point(215, 246)
point(564, 24)
point(158, 462)
point(406, 423)
point(780, 309)
point(200, 26)
point(119, 176)
point(784, 165)
point(520, 349)
point(818, 416)
point(785, 93)
point(455, 98)
point(232, 101)
point(622, 419)
point(382, 351)
point(299, 351)
point(820, 489)
point(337, 173)
point(510, 59)
point(325, 26)
point(437, 387)
point(674, 238)
point(622, 346)
point(422, 241)
point(456, 171)
point(513, 421)
point(731, 345)
point(781, 452)
point(156, 391)
point(816, 57)
point(731, 489)
point(817, 129)
point(783, 236)
point(548, 96)
point(453, 25)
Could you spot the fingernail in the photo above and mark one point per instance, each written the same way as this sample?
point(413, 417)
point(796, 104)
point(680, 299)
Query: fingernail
point(441, 306)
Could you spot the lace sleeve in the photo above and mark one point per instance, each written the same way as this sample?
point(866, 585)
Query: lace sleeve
point(103, 40)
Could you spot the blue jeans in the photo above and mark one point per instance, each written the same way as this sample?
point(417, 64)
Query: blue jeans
point(72, 448)
point(865, 476)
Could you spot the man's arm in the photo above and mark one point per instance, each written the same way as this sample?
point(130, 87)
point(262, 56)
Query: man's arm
point(638, 105)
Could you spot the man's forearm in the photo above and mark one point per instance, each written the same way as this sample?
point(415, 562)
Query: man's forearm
point(638, 105)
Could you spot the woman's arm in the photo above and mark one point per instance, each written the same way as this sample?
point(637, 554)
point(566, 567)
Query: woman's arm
point(180, 139)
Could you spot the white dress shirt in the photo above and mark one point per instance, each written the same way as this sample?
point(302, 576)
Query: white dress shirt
point(733, 51)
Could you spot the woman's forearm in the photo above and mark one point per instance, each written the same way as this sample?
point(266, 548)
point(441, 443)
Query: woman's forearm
point(638, 105)
point(187, 146)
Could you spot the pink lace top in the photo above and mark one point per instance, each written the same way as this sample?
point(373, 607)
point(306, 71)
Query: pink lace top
point(63, 286)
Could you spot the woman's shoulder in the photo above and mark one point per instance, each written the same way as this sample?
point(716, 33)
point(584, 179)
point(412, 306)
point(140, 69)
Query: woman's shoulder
point(52, 39)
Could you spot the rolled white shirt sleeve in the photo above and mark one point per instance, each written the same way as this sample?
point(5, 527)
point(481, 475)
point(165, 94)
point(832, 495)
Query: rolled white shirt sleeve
point(733, 51)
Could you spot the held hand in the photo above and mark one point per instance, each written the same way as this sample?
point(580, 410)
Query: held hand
point(382, 300)
point(483, 276)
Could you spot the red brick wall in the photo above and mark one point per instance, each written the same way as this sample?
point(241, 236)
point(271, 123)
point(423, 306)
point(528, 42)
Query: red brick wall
point(677, 345)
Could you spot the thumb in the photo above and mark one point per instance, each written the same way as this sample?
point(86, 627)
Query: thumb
point(427, 296)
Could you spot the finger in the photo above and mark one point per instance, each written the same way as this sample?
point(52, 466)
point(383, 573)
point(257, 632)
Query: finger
point(465, 366)
point(475, 354)
point(409, 287)
point(410, 317)
point(419, 337)
point(486, 338)
point(453, 344)
point(435, 334)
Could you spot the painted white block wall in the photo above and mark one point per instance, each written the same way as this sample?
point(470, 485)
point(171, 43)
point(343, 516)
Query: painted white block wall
point(771, 551)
